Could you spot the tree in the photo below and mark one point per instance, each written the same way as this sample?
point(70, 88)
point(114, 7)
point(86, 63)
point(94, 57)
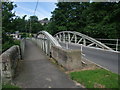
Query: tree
point(67, 16)
point(7, 19)
point(45, 19)
point(7, 16)
point(36, 27)
point(19, 24)
point(34, 24)
point(33, 18)
point(97, 19)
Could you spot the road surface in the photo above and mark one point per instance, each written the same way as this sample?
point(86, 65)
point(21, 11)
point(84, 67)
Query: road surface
point(104, 58)
point(38, 72)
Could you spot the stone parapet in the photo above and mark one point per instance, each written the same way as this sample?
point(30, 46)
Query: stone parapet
point(9, 62)
point(69, 59)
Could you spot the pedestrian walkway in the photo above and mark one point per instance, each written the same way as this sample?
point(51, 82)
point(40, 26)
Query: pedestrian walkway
point(38, 72)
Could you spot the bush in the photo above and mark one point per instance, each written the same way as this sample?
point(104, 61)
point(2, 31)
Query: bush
point(7, 42)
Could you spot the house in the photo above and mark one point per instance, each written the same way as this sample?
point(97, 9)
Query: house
point(16, 35)
point(44, 21)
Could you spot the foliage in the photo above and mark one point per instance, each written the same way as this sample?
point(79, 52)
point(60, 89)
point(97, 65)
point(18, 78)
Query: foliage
point(97, 19)
point(7, 25)
point(98, 78)
point(7, 16)
point(10, 20)
point(36, 27)
point(12, 23)
point(10, 42)
point(33, 25)
point(33, 18)
point(19, 24)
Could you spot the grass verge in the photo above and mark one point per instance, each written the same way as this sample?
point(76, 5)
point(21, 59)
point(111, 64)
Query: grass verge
point(98, 78)
point(9, 86)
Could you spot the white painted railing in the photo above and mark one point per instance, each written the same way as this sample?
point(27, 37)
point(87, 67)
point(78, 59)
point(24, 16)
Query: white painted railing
point(79, 38)
point(113, 43)
point(44, 40)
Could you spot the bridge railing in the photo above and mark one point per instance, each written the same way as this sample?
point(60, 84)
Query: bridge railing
point(113, 43)
point(9, 61)
point(79, 38)
point(69, 59)
point(44, 40)
point(22, 47)
point(44, 44)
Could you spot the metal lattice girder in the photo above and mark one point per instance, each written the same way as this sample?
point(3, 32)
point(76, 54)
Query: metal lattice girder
point(44, 40)
point(79, 37)
point(49, 37)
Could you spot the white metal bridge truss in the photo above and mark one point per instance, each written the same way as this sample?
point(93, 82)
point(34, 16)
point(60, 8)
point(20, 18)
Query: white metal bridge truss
point(78, 38)
point(44, 40)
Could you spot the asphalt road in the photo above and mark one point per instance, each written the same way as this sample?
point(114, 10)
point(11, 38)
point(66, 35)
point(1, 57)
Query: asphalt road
point(104, 58)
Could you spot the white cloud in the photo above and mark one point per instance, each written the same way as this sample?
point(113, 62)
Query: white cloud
point(34, 0)
point(41, 13)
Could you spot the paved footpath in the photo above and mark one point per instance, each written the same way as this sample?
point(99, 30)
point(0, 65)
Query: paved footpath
point(38, 72)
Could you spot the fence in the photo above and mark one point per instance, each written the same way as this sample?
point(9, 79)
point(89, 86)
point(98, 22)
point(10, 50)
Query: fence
point(112, 43)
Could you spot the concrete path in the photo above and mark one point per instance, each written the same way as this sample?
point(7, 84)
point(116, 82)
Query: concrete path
point(38, 72)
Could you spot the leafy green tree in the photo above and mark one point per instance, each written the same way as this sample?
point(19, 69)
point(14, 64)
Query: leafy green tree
point(33, 19)
point(51, 28)
point(36, 27)
point(19, 24)
point(97, 19)
point(45, 19)
point(7, 16)
point(34, 24)
point(7, 25)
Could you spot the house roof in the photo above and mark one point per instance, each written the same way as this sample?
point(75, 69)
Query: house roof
point(44, 21)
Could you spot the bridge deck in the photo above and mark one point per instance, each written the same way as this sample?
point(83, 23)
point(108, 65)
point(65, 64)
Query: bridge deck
point(38, 72)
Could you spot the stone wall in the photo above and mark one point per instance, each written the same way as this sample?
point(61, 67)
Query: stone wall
point(22, 48)
point(9, 60)
point(69, 59)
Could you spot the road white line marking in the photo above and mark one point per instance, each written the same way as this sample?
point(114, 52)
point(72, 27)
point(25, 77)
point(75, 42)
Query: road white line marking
point(49, 87)
point(48, 79)
point(83, 54)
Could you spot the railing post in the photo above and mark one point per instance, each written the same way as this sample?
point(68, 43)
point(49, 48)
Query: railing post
point(39, 41)
point(84, 42)
point(60, 39)
point(69, 38)
point(66, 45)
point(42, 44)
point(75, 39)
point(64, 37)
point(117, 45)
point(81, 48)
point(48, 47)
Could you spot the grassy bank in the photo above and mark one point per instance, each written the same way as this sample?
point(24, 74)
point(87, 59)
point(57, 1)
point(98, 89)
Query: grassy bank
point(98, 78)
point(9, 86)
